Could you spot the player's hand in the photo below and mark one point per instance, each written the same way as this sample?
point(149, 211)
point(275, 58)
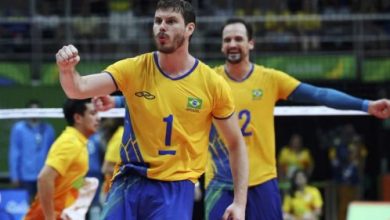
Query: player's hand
point(103, 103)
point(234, 212)
point(380, 108)
point(67, 58)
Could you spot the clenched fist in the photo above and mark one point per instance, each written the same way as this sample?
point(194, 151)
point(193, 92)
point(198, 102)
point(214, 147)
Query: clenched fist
point(67, 58)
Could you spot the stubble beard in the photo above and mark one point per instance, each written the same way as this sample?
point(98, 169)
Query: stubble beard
point(178, 41)
point(234, 58)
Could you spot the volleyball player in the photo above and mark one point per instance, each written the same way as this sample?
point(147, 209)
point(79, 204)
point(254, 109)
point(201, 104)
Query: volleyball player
point(256, 89)
point(172, 98)
point(66, 164)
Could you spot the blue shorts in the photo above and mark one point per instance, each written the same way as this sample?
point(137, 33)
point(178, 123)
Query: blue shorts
point(136, 197)
point(264, 201)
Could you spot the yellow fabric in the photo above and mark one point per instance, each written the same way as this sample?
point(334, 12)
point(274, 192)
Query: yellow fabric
point(290, 160)
point(114, 145)
point(160, 98)
point(69, 157)
point(113, 154)
point(257, 95)
point(303, 201)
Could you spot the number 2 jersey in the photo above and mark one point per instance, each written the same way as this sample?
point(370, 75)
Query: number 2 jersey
point(168, 119)
point(255, 98)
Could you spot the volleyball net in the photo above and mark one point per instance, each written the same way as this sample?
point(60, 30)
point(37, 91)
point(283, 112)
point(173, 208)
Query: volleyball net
point(120, 112)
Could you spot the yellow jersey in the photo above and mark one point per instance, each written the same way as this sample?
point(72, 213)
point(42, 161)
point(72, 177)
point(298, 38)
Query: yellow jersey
point(303, 202)
point(290, 160)
point(168, 120)
point(69, 157)
point(255, 98)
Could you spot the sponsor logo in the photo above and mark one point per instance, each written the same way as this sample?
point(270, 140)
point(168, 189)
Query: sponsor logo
point(145, 94)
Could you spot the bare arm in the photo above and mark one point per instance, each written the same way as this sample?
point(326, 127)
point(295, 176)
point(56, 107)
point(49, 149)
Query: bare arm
point(46, 188)
point(80, 87)
point(238, 158)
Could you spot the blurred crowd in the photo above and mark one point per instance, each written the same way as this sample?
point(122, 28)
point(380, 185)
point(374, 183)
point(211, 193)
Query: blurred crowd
point(112, 22)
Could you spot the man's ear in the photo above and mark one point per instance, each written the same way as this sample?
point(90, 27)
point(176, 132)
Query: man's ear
point(251, 44)
point(190, 27)
point(77, 118)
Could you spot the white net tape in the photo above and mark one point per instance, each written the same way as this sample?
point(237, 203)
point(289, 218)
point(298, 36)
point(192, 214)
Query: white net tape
point(120, 112)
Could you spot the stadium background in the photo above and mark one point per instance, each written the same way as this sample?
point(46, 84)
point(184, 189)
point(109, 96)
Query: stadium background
point(343, 44)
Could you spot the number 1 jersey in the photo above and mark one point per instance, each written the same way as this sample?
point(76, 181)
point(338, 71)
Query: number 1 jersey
point(168, 119)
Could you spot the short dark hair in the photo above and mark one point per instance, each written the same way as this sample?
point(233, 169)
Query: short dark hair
point(74, 106)
point(183, 7)
point(249, 29)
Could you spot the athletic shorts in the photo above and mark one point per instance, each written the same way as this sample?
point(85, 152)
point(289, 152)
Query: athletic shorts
point(135, 197)
point(264, 201)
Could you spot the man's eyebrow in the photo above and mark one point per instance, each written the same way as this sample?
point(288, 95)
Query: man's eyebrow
point(166, 16)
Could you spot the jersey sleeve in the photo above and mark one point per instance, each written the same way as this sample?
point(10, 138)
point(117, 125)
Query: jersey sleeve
point(286, 84)
point(61, 156)
point(223, 104)
point(118, 73)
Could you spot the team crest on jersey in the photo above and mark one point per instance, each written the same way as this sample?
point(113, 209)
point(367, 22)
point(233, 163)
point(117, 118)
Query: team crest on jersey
point(257, 94)
point(194, 104)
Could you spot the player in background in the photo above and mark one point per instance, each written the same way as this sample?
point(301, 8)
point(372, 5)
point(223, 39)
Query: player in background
point(67, 163)
point(256, 89)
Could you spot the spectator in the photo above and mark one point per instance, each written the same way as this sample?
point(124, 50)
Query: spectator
point(303, 201)
point(294, 156)
point(30, 141)
point(347, 160)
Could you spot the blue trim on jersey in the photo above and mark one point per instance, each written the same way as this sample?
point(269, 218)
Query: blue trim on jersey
point(167, 152)
point(328, 97)
point(246, 77)
point(155, 56)
point(224, 117)
point(220, 156)
point(131, 156)
point(113, 79)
